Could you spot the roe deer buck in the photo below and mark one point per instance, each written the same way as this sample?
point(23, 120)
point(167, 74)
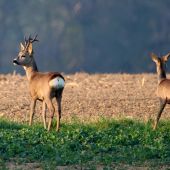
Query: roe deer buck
point(42, 86)
point(163, 87)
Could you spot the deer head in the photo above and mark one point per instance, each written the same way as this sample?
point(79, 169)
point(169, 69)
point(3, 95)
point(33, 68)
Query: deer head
point(25, 56)
point(160, 61)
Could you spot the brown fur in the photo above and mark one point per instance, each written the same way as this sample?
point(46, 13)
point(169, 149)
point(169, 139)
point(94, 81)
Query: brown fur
point(39, 84)
point(163, 88)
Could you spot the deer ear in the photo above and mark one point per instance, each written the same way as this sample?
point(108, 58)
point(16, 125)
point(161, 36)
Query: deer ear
point(30, 48)
point(166, 57)
point(154, 57)
point(21, 47)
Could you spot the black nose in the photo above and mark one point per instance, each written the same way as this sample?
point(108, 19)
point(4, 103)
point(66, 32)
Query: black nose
point(15, 62)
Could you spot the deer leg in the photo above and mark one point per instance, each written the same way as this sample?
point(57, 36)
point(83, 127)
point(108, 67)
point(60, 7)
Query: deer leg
point(58, 98)
point(44, 114)
point(51, 110)
point(162, 106)
point(32, 110)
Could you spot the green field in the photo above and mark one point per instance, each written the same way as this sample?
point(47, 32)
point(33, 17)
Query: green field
point(108, 143)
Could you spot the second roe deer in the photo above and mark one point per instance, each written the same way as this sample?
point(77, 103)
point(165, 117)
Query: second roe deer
point(163, 87)
point(42, 86)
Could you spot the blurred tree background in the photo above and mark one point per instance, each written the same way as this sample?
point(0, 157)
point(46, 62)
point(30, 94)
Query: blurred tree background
point(86, 35)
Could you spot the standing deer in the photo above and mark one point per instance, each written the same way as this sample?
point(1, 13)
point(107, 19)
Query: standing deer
point(163, 87)
point(42, 86)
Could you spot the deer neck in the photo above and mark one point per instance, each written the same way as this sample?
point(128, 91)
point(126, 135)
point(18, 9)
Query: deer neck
point(31, 69)
point(161, 74)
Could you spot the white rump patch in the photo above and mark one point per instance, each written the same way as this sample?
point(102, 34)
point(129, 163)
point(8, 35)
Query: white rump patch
point(57, 83)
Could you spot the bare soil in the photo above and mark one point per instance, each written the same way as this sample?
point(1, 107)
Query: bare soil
point(87, 97)
point(35, 166)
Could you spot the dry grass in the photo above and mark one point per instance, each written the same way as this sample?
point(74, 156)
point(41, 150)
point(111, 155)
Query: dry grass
point(88, 97)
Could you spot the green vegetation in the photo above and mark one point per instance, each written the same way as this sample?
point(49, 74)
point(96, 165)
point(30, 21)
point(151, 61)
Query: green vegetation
point(105, 143)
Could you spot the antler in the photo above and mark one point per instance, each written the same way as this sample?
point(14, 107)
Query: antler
point(30, 40)
point(25, 40)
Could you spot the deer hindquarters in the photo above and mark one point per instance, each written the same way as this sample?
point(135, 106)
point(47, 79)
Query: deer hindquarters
point(57, 83)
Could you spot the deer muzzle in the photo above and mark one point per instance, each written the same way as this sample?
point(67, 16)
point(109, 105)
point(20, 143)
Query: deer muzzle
point(15, 62)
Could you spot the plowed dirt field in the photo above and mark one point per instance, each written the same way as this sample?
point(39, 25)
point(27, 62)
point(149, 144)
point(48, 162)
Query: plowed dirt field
point(88, 97)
